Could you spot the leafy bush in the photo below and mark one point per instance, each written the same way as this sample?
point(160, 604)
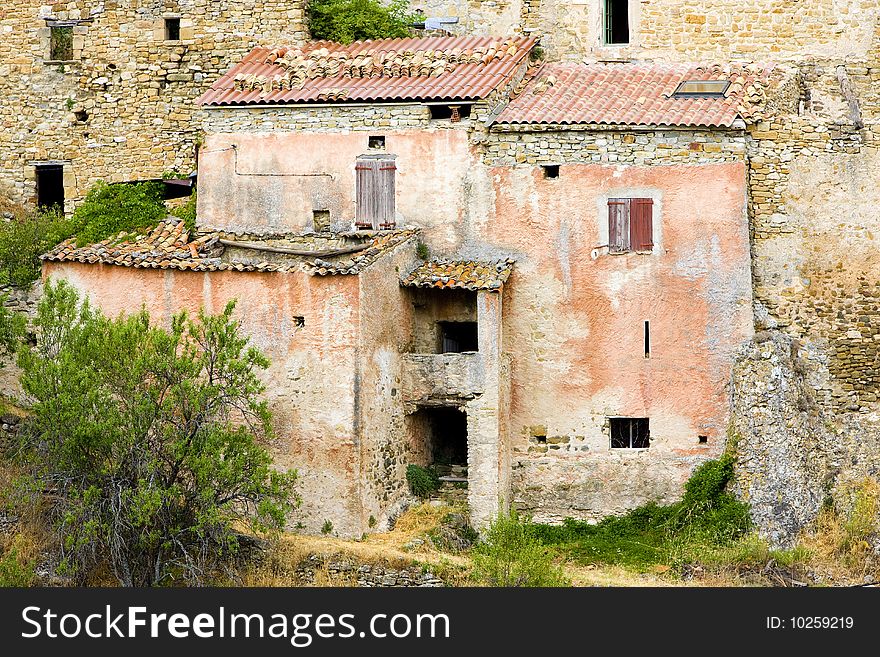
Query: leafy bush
point(16, 571)
point(108, 210)
point(148, 439)
point(24, 239)
point(357, 20)
point(511, 554)
point(423, 482)
point(187, 212)
point(706, 516)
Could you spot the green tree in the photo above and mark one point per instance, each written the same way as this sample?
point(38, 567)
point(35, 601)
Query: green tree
point(357, 20)
point(108, 210)
point(148, 439)
point(511, 555)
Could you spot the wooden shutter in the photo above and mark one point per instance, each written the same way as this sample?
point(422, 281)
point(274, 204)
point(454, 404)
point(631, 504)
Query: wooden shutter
point(618, 225)
point(375, 191)
point(641, 224)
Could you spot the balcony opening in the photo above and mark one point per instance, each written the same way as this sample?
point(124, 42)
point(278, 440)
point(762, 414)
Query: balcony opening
point(457, 337)
point(444, 321)
point(439, 439)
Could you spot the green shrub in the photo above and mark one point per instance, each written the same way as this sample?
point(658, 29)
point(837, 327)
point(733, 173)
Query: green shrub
point(706, 517)
point(108, 210)
point(150, 439)
point(187, 212)
point(24, 239)
point(357, 20)
point(16, 571)
point(511, 554)
point(423, 482)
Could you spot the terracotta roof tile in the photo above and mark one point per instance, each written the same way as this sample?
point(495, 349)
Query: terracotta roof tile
point(168, 247)
point(460, 274)
point(637, 94)
point(463, 68)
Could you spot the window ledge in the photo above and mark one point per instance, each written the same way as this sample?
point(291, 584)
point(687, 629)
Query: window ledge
point(61, 61)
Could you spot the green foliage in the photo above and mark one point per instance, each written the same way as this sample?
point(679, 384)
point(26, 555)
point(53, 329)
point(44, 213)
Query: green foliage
point(372, 521)
point(327, 527)
point(24, 239)
point(511, 554)
point(108, 210)
point(423, 482)
point(16, 571)
point(12, 330)
point(187, 213)
point(707, 516)
point(69, 104)
point(357, 20)
point(149, 440)
point(422, 251)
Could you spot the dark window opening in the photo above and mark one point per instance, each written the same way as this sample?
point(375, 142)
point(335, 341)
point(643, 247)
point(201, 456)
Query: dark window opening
point(61, 43)
point(452, 112)
point(551, 171)
point(541, 439)
point(321, 220)
point(299, 321)
point(81, 116)
point(647, 339)
point(616, 21)
point(172, 29)
point(630, 224)
point(629, 432)
point(703, 439)
point(456, 337)
point(50, 186)
point(376, 141)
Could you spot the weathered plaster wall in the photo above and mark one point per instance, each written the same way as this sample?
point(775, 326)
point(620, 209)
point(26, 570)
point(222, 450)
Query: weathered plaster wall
point(574, 323)
point(137, 89)
point(272, 181)
point(311, 383)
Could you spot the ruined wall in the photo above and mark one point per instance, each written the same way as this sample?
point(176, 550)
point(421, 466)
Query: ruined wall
point(682, 30)
point(288, 162)
point(122, 108)
point(311, 383)
point(432, 306)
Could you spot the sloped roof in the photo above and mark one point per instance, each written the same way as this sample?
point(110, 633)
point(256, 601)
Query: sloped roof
point(429, 68)
point(168, 246)
point(637, 94)
point(460, 274)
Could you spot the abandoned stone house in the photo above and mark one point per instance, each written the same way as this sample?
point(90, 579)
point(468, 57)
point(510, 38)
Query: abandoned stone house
point(609, 216)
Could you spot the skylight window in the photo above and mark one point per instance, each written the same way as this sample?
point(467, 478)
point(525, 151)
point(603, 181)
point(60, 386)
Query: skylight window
point(701, 89)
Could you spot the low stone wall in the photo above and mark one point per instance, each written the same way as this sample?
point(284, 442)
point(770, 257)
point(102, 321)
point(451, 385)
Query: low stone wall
point(350, 571)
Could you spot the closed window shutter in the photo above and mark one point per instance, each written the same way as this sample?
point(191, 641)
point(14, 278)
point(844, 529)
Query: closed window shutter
point(618, 225)
point(375, 191)
point(641, 224)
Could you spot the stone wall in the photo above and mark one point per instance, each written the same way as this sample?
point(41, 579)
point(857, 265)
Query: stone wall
point(122, 108)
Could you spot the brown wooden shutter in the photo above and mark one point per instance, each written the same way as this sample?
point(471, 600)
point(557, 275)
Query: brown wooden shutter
point(641, 224)
point(618, 225)
point(375, 191)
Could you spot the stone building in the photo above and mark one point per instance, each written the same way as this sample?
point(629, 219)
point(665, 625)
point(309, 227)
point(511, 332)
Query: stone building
point(797, 162)
point(569, 341)
point(106, 90)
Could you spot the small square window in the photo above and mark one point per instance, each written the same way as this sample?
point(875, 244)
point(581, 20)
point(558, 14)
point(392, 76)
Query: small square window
point(299, 321)
point(551, 171)
point(172, 29)
point(61, 43)
point(321, 220)
point(452, 112)
point(629, 432)
point(376, 141)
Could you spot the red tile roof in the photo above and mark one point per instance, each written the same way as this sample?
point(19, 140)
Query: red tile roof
point(168, 247)
point(636, 94)
point(460, 274)
point(430, 68)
